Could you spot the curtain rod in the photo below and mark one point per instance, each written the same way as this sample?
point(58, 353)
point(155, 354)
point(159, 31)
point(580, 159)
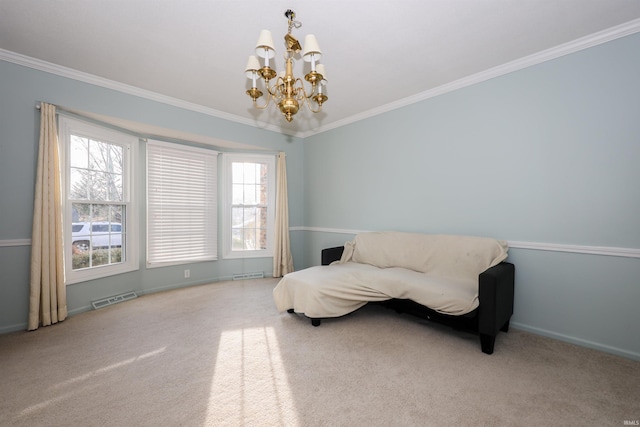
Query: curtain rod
point(145, 138)
point(64, 112)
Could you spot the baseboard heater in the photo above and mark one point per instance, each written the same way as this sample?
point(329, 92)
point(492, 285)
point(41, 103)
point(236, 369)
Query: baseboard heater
point(113, 300)
point(245, 276)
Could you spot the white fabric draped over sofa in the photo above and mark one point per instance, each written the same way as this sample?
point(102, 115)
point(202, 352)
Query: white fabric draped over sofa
point(437, 271)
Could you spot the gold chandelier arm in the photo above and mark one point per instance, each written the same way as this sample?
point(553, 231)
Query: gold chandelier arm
point(312, 110)
point(272, 94)
point(301, 92)
point(266, 104)
point(254, 93)
point(318, 103)
point(274, 90)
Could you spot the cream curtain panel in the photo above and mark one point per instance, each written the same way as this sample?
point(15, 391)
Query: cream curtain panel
point(48, 295)
point(282, 259)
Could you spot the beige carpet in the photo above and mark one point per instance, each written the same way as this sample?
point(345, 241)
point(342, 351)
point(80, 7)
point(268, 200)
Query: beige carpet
point(220, 355)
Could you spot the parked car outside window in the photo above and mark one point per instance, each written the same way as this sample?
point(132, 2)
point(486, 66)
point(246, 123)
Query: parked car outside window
point(96, 235)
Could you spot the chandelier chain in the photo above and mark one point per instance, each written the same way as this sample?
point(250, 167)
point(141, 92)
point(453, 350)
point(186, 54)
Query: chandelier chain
point(294, 24)
point(290, 14)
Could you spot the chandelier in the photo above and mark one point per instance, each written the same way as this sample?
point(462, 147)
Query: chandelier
point(286, 90)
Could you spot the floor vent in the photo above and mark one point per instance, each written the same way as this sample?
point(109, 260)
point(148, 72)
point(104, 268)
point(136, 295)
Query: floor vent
point(113, 300)
point(245, 276)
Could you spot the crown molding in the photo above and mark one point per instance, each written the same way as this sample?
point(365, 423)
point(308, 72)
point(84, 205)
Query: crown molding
point(48, 67)
point(582, 43)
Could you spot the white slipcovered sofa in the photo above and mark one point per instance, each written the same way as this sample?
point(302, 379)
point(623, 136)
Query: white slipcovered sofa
point(460, 280)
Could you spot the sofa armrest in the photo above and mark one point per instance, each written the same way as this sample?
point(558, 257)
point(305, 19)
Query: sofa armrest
point(495, 294)
point(330, 255)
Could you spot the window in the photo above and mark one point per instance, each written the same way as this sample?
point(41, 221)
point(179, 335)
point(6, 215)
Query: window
point(99, 213)
point(181, 204)
point(248, 207)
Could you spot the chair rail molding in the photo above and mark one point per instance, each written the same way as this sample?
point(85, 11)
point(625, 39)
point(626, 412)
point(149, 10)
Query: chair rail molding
point(515, 244)
point(15, 242)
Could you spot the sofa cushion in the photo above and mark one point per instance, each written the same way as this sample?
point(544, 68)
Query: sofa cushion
point(462, 257)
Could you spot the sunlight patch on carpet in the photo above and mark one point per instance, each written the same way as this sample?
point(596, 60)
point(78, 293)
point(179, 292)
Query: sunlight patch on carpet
point(84, 378)
point(111, 367)
point(250, 385)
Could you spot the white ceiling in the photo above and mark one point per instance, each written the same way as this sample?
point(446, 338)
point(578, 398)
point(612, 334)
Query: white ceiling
point(378, 54)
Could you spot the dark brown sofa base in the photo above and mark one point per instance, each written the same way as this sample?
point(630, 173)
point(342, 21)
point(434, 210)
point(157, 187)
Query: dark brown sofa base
point(495, 294)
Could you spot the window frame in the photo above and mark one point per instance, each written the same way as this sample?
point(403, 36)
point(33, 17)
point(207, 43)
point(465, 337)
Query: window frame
point(226, 204)
point(68, 126)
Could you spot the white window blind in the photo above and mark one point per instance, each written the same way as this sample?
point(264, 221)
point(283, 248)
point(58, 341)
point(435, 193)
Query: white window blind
point(181, 204)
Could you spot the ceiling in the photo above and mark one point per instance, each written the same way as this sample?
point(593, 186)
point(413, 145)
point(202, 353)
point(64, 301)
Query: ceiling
point(378, 54)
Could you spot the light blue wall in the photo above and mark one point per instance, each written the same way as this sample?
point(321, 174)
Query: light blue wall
point(548, 154)
point(21, 89)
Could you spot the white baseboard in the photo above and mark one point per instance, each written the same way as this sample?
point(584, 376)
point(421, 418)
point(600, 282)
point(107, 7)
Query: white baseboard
point(13, 328)
point(577, 341)
point(78, 310)
point(183, 285)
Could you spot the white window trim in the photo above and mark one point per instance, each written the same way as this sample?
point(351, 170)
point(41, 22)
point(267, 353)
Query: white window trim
point(67, 126)
point(227, 160)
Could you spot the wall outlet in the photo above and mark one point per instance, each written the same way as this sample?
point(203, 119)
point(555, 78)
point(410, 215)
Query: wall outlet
point(187, 273)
